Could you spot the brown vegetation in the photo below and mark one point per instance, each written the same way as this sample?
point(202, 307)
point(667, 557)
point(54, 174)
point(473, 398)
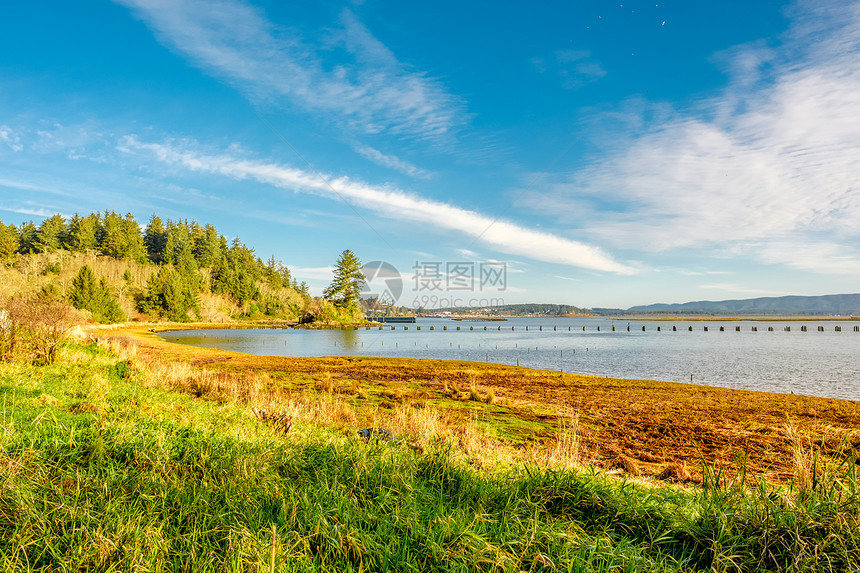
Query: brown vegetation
point(637, 427)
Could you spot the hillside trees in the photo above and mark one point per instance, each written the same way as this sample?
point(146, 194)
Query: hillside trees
point(199, 259)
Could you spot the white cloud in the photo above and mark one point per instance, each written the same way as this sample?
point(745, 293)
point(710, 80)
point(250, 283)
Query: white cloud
point(33, 211)
point(391, 162)
point(391, 203)
point(768, 167)
point(10, 138)
point(740, 289)
point(313, 273)
point(373, 93)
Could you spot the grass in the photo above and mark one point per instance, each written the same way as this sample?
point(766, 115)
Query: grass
point(112, 460)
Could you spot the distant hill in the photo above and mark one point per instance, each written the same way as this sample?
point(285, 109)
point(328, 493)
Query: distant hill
point(528, 309)
point(833, 304)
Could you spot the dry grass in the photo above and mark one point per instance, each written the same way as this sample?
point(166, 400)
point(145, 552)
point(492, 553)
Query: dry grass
point(639, 427)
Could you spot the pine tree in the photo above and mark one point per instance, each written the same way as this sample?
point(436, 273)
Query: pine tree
point(111, 238)
point(133, 247)
point(168, 295)
point(28, 238)
point(155, 239)
point(95, 296)
point(51, 234)
point(8, 241)
point(345, 289)
point(82, 233)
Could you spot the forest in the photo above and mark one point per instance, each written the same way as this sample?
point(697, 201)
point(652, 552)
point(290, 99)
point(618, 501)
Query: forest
point(116, 269)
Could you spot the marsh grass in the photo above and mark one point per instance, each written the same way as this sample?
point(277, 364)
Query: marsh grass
point(110, 462)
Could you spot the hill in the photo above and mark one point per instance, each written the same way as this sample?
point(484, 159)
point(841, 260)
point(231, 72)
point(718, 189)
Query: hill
point(527, 309)
point(835, 304)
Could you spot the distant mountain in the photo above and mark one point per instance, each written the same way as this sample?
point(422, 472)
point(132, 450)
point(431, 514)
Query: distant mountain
point(841, 304)
point(528, 309)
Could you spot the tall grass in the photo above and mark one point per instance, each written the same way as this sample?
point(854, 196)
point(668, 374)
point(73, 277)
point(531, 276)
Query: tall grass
point(106, 465)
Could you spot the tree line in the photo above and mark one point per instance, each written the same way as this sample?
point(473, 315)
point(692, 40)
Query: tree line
point(180, 252)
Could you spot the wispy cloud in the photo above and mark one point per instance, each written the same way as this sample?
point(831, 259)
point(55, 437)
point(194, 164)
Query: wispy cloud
point(313, 273)
point(33, 211)
point(391, 162)
point(388, 202)
point(373, 92)
point(768, 168)
point(575, 68)
point(10, 138)
point(740, 289)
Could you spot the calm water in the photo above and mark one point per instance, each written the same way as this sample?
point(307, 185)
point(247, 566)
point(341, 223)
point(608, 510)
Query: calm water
point(812, 363)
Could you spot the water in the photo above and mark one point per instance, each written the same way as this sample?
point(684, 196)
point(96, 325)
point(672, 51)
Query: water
point(811, 363)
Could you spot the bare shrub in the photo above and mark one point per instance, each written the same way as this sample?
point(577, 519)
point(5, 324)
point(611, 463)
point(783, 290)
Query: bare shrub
point(36, 327)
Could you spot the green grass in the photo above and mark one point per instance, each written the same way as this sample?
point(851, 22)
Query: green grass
point(99, 473)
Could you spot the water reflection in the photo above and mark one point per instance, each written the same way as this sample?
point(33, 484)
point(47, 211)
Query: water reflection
point(770, 356)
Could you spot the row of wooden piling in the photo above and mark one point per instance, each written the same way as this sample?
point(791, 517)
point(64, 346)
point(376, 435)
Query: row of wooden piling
point(837, 328)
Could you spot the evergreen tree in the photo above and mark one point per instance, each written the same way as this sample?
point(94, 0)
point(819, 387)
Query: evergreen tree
point(95, 296)
point(345, 289)
point(133, 248)
point(209, 247)
point(238, 273)
point(28, 238)
point(82, 233)
point(155, 239)
point(169, 296)
point(8, 241)
point(111, 240)
point(51, 234)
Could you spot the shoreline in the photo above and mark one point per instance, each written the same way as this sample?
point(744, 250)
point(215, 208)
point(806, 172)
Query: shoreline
point(640, 427)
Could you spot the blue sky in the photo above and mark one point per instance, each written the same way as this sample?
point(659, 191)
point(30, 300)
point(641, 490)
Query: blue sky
point(608, 154)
